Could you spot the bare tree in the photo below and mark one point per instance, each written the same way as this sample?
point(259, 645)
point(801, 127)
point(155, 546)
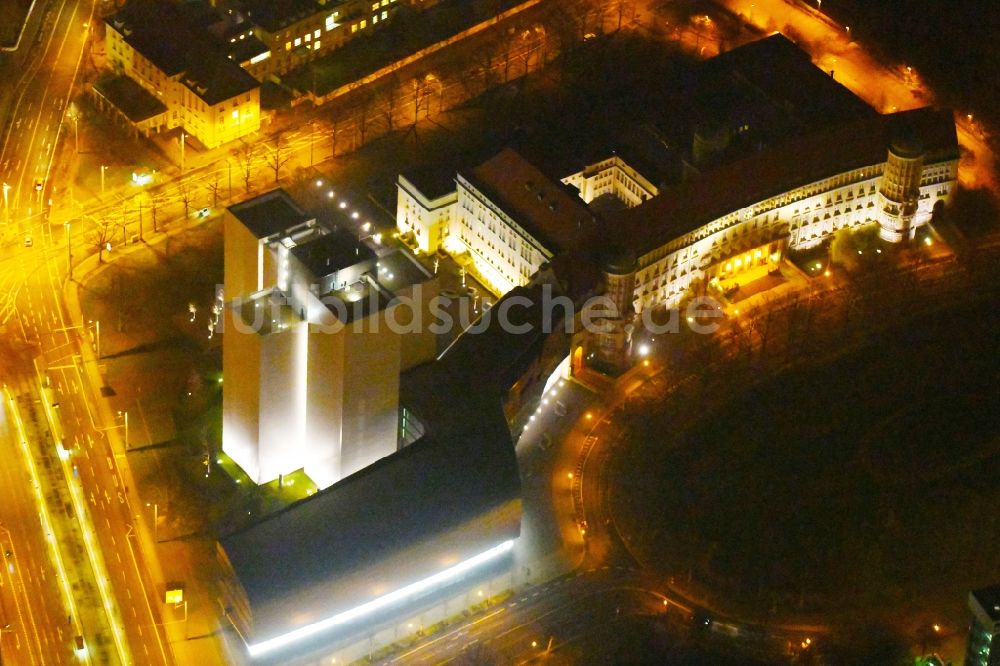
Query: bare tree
point(244, 157)
point(389, 94)
point(213, 188)
point(278, 157)
point(186, 199)
point(623, 10)
point(153, 206)
point(102, 237)
point(364, 109)
point(507, 42)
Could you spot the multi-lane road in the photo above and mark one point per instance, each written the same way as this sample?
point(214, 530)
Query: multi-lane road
point(38, 111)
point(114, 606)
point(32, 612)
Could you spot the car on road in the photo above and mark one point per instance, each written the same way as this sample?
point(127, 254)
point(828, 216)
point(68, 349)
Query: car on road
point(28, 241)
point(203, 212)
point(38, 184)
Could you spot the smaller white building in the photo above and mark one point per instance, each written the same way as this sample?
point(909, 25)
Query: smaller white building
point(425, 210)
point(615, 177)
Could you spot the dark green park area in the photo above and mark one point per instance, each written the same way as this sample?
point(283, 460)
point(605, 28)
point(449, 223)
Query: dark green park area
point(860, 490)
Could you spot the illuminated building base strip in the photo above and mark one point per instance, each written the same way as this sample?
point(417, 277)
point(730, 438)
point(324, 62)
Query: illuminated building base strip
point(258, 649)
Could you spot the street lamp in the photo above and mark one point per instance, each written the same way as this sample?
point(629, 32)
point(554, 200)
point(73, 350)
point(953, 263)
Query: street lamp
point(103, 168)
point(69, 250)
point(74, 115)
point(156, 520)
point(125, 416)
point(97, 335)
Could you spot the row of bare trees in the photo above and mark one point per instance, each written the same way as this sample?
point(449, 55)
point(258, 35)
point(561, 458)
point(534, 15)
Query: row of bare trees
point(507, 51)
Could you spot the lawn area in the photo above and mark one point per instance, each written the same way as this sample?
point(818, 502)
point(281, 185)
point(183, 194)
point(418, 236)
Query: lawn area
point(860, 490)
point(165, 373)
point(12, 13)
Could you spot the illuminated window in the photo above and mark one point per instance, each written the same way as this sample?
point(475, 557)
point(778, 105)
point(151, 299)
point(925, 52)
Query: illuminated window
point(385, 3)
point(374, 5)
point(316, 45)
point(236, 113)
point(288, 46)
point(316, 33)
point(374, 19)
point(354, 28)
point(308, 36)
point(298, 41)
point(363, 24)
point(331, 22)
point(385, 15)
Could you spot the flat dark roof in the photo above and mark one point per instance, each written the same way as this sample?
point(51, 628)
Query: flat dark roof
point(433, 181)
point(130, 98)
point(398, 270)
point(218, 79)
point(332, 252)
point(244, 49)
point(777, 69)
point(273, 15)
point(685, 207)
point(545, 208)
point(157, 30)
point(173, 37)
point(269, 214)
point(988, 599)
point(462, 469)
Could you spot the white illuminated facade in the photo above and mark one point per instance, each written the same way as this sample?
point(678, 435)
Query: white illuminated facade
point(754, 237)
point(426, 216)
point(310, 362)
point(495, 215)
point(897, 193)
point(212, 98)
point(615, 177)
point(504, 254)
point(396, 597)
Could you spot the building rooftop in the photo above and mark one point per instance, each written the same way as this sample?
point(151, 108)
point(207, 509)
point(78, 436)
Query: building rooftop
point(175, 39)
point(274, 15)
point(685, 207)
point(242, 50)
point(546, 209)
point(777, 70)
point(270, 213)
point(758, 95)
point(433, 181)
point(130, 98)
point(451, 494)
point(217, 79)
point(485, 360)
point(399, 270)
point(332, 252)
point(988, 600)
point(160, 31)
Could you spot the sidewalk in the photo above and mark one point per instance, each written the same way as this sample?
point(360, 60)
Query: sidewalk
point(184, 650)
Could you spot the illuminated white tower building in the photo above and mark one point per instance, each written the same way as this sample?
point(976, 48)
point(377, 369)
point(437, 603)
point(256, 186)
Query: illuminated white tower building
point(311, 363)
